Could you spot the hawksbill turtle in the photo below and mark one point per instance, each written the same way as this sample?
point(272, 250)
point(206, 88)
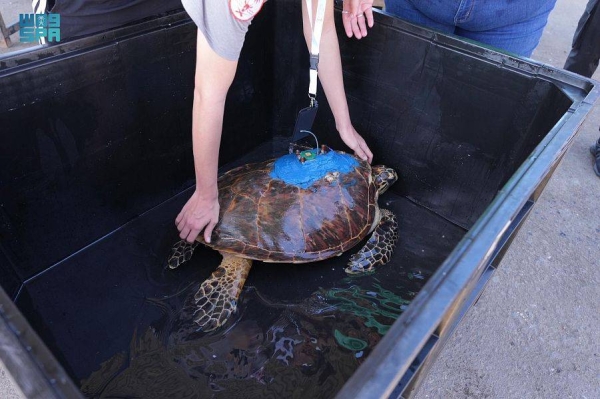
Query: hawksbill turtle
point(302, 207)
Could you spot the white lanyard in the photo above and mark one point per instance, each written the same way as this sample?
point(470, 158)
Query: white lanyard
point(317, 28)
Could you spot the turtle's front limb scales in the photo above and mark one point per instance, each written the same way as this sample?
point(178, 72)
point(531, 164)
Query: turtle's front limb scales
point(379, 248)
point(218, 295)
point(180, 253)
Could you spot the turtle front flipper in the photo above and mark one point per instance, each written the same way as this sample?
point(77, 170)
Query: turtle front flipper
point(180, 253)
point(218, 295)
point(378, 250)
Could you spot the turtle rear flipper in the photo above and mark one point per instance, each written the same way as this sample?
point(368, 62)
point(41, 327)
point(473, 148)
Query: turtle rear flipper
point(217, 297)
point(180, 253)
point(379, 248)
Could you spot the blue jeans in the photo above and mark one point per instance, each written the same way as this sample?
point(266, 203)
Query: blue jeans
point(514, 26)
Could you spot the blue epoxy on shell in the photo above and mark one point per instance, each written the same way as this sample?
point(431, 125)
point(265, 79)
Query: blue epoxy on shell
point(289, 169)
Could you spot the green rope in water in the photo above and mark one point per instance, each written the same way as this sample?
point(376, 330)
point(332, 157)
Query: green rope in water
point(354, 344)
point(380, 302)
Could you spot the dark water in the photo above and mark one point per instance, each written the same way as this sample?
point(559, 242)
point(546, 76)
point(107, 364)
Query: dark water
point(119, 322)
point(271, 349)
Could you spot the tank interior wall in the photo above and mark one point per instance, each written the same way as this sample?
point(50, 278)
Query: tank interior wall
point(97, 138)
point(93, 140)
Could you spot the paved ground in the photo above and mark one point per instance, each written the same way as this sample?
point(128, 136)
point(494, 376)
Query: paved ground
point(534, 333)
point(7, 389)
point(10, 10)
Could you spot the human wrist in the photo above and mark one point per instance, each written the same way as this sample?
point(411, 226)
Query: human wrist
point(344, 128)
point(207, 193)
point(343, 123)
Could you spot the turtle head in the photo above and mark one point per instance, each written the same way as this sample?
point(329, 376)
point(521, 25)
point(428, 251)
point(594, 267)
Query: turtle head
point(384, 177)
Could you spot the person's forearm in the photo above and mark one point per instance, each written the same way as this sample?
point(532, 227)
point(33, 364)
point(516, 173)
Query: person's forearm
point(331, 78)
point(213, 78)
point(330, 66)
point(207, 124)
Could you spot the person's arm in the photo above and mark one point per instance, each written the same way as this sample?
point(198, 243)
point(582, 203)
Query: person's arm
point(330, 76)
point(214, 75)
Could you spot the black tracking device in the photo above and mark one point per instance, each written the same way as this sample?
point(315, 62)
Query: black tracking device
point(305, 120)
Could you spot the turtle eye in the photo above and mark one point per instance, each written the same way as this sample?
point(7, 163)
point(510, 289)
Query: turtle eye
point(385, 177)
point(381, 182)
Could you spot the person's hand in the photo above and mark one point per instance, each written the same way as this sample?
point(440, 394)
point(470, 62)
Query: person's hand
point(353, 16)
point(355, 141)
point(198, 214)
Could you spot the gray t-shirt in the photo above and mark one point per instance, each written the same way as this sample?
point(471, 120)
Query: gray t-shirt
point(223, 32)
